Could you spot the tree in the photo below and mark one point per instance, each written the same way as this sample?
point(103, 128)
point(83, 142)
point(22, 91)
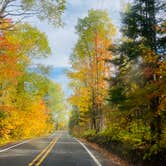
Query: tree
point(56, 103)
point(42, 9)
point(138, 59)
point(90, 68)
point(24, 111)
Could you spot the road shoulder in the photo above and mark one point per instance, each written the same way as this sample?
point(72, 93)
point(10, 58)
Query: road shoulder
point(104, 156)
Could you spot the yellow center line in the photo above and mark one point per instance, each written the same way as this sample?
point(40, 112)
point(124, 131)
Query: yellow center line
point(44, 151)
point(47, 152)
point(40, 154)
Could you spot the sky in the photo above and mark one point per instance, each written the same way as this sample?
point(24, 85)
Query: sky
point(63, 39)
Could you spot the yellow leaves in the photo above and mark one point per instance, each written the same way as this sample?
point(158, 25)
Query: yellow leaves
point(16, 124)
point(36, 120)
point(23, 114)
point(76, 75)
point(82, 99)
point(5, 23)
point(162, 68)
point(149, 55)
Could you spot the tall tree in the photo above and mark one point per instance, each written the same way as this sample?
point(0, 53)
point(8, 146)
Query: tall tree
point(90, 68)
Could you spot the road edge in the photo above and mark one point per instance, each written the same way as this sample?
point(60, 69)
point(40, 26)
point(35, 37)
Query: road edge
point(89, 152)
point(107, 154)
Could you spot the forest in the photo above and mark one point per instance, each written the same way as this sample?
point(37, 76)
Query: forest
point(29, 100)
point(119, 96)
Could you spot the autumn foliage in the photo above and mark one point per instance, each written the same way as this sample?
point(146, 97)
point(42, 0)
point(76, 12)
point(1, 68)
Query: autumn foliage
point(24, 112)
point(25, 95)
point(90, 69)
point(119, 86)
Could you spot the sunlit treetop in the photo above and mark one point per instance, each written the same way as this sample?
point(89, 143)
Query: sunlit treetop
point(97, 21)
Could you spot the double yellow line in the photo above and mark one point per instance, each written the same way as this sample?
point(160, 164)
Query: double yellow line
point(44, 153)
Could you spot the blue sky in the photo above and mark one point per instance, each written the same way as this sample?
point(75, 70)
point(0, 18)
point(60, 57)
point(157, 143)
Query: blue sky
point(63, 39)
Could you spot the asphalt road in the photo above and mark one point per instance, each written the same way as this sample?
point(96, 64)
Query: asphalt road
point(59, 149)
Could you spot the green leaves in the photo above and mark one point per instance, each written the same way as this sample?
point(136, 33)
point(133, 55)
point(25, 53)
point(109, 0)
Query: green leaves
point(97, 22)
point(117, 95)
point(50, 10)
point(32, 42)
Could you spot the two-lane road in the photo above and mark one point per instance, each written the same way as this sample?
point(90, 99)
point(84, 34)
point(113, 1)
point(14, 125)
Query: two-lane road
point(59, 149)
